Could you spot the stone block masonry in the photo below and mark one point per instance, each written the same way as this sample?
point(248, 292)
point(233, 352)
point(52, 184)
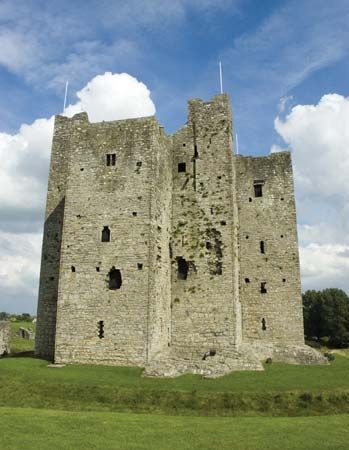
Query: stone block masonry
point(168, 252)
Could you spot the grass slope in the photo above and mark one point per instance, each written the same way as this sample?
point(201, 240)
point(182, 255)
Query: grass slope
point(280, 390)
point(31, 429)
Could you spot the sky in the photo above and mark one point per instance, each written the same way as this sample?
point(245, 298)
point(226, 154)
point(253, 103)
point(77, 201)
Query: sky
point(285, 66)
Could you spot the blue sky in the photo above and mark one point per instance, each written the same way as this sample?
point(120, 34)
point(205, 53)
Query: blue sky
point(277, 56)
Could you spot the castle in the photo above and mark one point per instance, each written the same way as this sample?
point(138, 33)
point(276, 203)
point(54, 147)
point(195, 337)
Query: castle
point(169, 252)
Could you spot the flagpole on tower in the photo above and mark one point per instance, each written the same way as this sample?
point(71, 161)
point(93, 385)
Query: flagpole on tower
point(220, 76)
point(65, 95)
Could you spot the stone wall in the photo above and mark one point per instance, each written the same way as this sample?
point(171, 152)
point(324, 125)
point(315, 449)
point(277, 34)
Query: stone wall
point(268, 250)
point(51, 246)
point(95, 323)
point(4, 338)
point(204, 287)
point(159, 295)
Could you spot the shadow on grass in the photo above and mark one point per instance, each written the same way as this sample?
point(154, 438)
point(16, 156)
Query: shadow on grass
point(25, 354)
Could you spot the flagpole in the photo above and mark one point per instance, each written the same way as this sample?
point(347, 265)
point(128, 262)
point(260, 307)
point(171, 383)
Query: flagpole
point(65, 96)
point(220, 76)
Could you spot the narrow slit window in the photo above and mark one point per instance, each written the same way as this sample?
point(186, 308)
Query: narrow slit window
point(115, 280)
point(101, 329)
point(264, 324)
point(108, 160)
point(263, 287)
point(73, 268)
point(262, 247)
point(105, 234)
point(182, 167)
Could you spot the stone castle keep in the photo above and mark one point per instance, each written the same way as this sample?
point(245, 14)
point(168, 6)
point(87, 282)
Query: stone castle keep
point(168, 252)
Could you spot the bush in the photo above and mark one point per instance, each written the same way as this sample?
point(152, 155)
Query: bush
point(329, 356)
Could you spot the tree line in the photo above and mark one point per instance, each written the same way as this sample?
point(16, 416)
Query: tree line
point(326, 317)
point(24, 317)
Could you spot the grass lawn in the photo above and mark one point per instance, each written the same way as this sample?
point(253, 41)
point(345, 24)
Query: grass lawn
point(280, 390)
point(32, 429)
point(17, 343)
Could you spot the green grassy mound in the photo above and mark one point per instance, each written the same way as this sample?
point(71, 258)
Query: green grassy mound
point(32, 429)
point(280, 390)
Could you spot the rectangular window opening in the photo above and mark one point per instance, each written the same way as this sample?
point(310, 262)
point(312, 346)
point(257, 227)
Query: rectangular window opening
point(263, 287)
point(183, 268)
point(262, 248)
point(182, 167)
point(111, 159)
point(258, 188)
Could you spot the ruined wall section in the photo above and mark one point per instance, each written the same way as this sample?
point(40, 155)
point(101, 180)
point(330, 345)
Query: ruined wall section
point(159, 314)
point(96, 324)
point(51, 246)
point(4, 338)
point(268, 251)
point(203, 260)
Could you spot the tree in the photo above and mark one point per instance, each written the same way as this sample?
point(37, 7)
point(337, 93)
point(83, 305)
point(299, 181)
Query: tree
point(326, 315)
point(4, 315)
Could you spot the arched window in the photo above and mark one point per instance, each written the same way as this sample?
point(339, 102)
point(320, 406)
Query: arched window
point(105, 234)
point(115, 280)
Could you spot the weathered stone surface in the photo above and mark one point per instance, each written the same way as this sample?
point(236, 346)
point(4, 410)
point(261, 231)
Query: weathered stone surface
point(4, 338)
point(156, 247)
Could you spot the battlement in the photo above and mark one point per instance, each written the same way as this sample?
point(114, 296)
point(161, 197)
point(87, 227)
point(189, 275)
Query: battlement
point(167, 251)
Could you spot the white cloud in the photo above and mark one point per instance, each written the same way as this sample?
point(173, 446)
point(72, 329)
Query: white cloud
point(19, 260)
point(24, 160)
point(113, 96)
point(324, 266)
point(318, 136)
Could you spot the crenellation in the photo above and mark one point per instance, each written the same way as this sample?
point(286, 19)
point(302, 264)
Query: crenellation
point(168, 252)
